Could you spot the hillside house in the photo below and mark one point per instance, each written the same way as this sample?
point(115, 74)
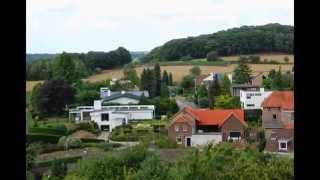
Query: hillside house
point(109, 117)
point(236, 88)
point(121, 97)
point(278, 117)
point(194, 126)
point(252, 100)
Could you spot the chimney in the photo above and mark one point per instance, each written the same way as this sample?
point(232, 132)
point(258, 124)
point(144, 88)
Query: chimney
point(97, 105)
point(104, 92)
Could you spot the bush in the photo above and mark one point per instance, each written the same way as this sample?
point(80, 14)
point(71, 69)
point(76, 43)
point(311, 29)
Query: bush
point(212, 56)
point(254, 59)
point(91, 127)
point(166, 142)
point(71, 142)
point(45, 138)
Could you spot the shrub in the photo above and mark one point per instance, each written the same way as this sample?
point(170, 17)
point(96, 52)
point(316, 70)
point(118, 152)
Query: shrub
point(69, 141)
point(212, 56)
point(91, 127)
point(254, 59)
point(48, 148)
point(105, 146)
point(166, 142)
point(45, 138)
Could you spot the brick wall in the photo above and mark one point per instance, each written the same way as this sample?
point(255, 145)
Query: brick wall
point(232, 124)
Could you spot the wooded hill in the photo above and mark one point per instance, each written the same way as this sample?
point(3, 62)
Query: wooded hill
point(272, 38)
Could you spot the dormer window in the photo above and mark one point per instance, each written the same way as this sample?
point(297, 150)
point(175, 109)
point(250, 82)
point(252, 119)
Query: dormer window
point(176, 127)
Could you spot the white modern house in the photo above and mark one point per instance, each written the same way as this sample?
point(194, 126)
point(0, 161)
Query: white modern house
point(121, 97)
point(109, 117)
point(251, 99)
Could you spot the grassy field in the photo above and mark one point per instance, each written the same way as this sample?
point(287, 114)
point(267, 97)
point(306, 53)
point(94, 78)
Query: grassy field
point(180, 69)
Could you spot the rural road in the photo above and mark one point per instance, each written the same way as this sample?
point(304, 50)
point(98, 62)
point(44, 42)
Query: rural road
point(182, 102)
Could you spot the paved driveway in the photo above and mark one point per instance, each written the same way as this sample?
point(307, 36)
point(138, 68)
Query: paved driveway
point(182, 102)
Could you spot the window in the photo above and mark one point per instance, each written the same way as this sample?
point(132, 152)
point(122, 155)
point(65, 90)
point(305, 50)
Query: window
point(248, 96)
point(234, 136)
point(274, 116)
point(184, 128)
point(283, 146)
point(105, 117)
point(176, 127)
point(250, 105)
point(179, 140)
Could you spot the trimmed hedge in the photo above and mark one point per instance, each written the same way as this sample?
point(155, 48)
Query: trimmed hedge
point(92, 140)
point(64, 160)
point(45, 138)
point(51, 131)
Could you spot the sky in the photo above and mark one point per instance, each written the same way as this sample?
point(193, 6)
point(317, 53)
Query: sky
point(79, 26)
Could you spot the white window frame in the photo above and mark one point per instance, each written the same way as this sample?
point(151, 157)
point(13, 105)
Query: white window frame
point(176, 128)
point(233, 138)
point(179, 137)
point(280, 148)
point(105, 119)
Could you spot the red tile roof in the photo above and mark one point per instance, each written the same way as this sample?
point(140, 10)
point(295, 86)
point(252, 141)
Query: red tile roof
point(281, 99)
point(216, 116)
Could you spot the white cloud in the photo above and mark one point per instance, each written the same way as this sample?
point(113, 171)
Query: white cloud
point(52, 21)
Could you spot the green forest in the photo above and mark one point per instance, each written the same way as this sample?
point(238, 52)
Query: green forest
point(274, 38)
point(86, 63)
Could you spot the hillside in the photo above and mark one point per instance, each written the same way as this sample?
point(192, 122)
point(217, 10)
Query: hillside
point(32, 57)
point(274, 38)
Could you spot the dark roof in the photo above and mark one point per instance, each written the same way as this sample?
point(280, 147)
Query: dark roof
point(136, 93)
point(115, 96)
point(272, 125)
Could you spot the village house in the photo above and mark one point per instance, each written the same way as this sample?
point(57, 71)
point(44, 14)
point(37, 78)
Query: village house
point(236, 88)
point(109, 117)
point(195, 126)
point(278, 120)
point(121, 97)
point(207, 78)
point(252, 100)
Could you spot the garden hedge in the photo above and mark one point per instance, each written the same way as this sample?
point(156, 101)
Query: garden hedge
point(50, 131)
point(92, 140)
point(45, 138)
point(65, 160)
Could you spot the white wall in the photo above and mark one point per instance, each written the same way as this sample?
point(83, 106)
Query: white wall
point(203, 139)
point(124, 100)
point(257, 97)
point(114, 119)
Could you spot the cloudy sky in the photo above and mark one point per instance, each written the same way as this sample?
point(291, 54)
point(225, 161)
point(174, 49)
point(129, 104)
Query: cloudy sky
point(54, 26)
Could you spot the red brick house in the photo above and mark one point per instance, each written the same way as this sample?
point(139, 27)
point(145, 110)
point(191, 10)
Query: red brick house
point(278, 120)
point(194, 126)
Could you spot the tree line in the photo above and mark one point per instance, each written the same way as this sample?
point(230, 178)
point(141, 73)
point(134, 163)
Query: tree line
point(86, 63)
point(244, 40)
point(222, 161)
